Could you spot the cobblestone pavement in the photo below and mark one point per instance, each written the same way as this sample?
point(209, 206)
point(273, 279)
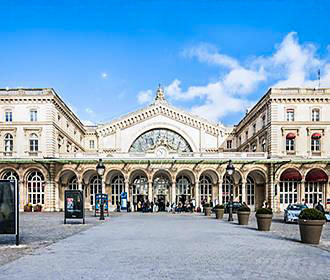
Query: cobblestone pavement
point(167, 246)
point(39, 230)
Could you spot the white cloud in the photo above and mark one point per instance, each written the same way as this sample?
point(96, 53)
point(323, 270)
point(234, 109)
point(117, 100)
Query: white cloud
point(145, 96)
point(291, 65)
point(89, 111)
point(104, 75)
point(86, 122)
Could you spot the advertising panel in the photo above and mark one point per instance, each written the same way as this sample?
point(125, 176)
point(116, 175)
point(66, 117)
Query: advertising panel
point(9, 220)
point(98, 203)
point(74, 205)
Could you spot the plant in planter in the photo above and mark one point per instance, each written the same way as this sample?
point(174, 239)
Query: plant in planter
point(207, 209)
point(37, 208)
point(243, 215)
point(264, 218)
point(28, 207)
point(219, 211)
point(311, 223)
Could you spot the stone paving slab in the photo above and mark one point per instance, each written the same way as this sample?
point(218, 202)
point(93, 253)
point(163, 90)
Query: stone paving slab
point(40, 230)
point(165, 246)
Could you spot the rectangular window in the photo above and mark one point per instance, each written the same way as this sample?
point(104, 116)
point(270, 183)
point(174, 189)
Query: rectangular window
point(316, 145)
point(315, 115)
point(8, 116)
point(254, 129)
point(229, 144)
point(239, 141)
point(290, 145)
point(33, 115)
point(263, 121)
point(290, 115)
point(33, 145)
point(246, 135)
point(91, 144)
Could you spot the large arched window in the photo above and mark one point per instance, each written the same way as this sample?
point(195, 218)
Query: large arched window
point(250, 185)
point(226, 189)
point(140, 185)
point(161, 185)
point(205, 186)
point(289, 183)
point(10, 175)
point(73, 183)
point(117, 187)
point(183, 186)
point(9, 143)
point(95, 188)
point(36, 188)
point(151, 139)
point(34, 143)
point(315, 185)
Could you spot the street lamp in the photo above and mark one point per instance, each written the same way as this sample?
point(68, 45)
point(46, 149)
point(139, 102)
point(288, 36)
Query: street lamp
point(100, 168)
point(230, 171)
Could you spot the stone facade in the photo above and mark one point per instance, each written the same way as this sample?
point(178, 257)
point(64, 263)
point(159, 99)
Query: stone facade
point(280, 151)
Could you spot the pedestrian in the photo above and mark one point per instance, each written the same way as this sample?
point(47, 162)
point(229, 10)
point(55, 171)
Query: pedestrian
point(320, 207)
point(152, 206)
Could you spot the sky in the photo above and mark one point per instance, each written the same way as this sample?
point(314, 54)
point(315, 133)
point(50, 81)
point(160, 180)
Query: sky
point(214, 58)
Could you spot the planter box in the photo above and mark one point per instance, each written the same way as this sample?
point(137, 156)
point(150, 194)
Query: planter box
point(264, 221)
point(219, 213)
point(37, 209)
point(208, 211)
point(243, 217)
point(310, 230)
point(27, 208)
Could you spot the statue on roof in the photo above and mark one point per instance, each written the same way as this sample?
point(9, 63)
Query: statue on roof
point(160, 94)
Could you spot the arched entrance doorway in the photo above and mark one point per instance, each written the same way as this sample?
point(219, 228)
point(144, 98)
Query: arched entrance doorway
point(315, 184)
point(183, 190)
point(161, 189)
point(139, 189)
point(234, 182)
point(255, 189)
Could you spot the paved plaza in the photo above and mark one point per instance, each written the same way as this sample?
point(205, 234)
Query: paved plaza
point(167, 246)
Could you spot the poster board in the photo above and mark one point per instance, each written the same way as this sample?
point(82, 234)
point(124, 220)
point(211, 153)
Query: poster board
point(123, 201)
point(74, 207)
point(9, 213)
point(98, 203)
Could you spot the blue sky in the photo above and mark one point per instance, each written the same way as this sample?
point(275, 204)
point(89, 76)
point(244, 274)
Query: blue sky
point(214, 58)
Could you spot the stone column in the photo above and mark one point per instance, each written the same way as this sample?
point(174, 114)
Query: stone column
point(52, 189)
point(22, 195)
point(80, 187)
point(173, 192)
point(326, 194)
point(197, 196)
point(150, 194)
point(127, 190)
point(220, 192)
point(244, 192)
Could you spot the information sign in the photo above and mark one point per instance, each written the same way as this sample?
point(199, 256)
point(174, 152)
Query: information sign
point(98, 203)
point(9, 218)
point(74, 205)
point(123, 200)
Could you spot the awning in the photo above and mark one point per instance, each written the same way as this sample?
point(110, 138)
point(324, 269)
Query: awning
point(316, 136)
point(290, 136)
point(316, 175)
point(291, 175)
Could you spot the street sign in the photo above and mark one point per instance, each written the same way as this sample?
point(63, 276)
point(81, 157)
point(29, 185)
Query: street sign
point(98, 203)
point(9, 215)
point(74, 205)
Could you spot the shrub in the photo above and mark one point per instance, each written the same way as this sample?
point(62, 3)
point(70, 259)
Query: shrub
point(244, 209)
point(207, 205)
point(264, 211)
point(311, 214)
point(219, 206)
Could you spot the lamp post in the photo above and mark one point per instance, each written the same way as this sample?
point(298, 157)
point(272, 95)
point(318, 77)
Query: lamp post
point(230, 171)
point(100, 168)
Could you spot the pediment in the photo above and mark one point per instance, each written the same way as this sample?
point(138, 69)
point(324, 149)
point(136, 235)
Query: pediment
point(161, 108)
